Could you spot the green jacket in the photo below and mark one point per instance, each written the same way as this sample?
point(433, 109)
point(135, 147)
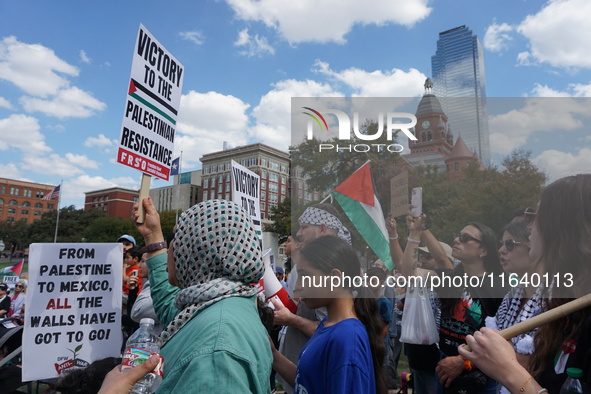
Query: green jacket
point(223, 348)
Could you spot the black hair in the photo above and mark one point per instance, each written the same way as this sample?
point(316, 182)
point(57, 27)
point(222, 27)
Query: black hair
point(87, 380)
point(329, 252)
point(377, 271)
point(135, 252)
point(488, 240)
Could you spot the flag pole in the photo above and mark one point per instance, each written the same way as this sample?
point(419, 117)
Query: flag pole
point(59, 198)
point(178, 189)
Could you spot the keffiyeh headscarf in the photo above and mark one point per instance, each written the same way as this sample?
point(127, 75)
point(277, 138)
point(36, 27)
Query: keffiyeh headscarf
point(217, 255)
point(317, 217)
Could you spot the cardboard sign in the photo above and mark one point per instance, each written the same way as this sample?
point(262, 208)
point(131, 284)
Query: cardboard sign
point(399, 194)
point(246, 193)
point(153, 100)
point(73, 307)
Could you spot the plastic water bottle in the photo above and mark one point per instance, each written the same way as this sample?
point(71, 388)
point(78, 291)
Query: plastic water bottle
point(140, 346)
point(572, 384)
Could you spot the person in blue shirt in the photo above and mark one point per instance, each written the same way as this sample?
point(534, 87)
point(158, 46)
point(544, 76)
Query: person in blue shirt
point(346, 352)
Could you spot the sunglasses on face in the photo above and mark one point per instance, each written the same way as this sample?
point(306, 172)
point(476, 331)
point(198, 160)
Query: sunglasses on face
point(510, 244)
point(19, 286)
point(464, 238)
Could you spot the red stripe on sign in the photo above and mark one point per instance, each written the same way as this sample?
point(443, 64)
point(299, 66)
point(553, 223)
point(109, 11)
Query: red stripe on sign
point(143, 164)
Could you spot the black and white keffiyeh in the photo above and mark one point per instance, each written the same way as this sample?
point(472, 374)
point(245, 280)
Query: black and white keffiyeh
point(317, 217)
point(217, 255)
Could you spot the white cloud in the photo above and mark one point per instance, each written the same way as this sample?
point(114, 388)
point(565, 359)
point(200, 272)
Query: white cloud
point(206, 120)
point(254, 46)
point(573, 90)
point(101, 141)
point(81, 161)
point(52, 164)
point(559, 164)
point(511, 130)
point(33, 68)
point(497, 37)
point(273, 113)
point(9, 171)
point(22, 132)
point(71, 102)
point(74, 188)
point(393, 83)
point(195, 37)
point(5, 103)
point(559, 34)
point(84, 57)
point(328, 20)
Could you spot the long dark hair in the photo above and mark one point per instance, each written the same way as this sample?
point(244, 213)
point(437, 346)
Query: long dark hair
point(563, 222)
point(329, 252)
point(488, 240)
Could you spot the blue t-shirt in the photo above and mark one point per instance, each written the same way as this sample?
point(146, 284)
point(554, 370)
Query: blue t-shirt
point(385, 308)
point(336, 359)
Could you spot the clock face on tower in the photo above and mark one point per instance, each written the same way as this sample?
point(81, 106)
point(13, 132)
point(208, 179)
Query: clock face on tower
point(426, 124)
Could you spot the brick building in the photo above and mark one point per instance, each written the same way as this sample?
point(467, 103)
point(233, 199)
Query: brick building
point(22, 201)
point(116, 201)
point(271, 164)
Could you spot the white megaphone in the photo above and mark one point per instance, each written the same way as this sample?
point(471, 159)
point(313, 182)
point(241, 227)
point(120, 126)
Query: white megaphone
point(272, 287)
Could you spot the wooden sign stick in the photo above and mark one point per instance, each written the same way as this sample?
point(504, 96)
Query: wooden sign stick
point(547, 317)
point(544, 318)
point(144, 192)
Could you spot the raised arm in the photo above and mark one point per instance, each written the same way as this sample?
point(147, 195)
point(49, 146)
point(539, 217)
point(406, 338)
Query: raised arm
point(435, 249)
point(395, 249)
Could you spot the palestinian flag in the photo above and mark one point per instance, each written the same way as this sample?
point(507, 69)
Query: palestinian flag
point(14, 269)
point(359, 201)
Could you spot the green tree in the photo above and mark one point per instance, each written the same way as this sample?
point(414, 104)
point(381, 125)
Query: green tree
point(281, 220)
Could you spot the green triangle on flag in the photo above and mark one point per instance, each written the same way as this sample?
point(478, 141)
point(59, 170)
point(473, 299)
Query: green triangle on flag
point(359, 186)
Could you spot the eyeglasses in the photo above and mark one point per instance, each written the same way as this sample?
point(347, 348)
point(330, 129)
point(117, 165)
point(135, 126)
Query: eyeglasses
point(510, 244)
point(464, 238)
point(19, 286)
point(529, 215)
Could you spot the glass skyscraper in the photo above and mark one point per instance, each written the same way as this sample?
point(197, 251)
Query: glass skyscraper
point(460, 84)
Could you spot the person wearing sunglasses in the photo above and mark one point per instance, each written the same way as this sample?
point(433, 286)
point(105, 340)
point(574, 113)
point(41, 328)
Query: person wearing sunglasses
point(560, 246)
point(463, 308)
point(17, 302)
point(521, 302)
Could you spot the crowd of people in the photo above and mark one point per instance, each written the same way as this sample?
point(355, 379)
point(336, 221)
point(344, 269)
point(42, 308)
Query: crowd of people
point(218, 336)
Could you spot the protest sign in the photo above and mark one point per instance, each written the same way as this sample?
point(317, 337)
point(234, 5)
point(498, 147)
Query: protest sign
point(10, 281)
point(153, 99)
point(246, 193)
point(399, 194)
point(73, 307)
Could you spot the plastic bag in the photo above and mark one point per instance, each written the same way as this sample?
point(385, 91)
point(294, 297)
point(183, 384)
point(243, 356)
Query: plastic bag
point(418, 321)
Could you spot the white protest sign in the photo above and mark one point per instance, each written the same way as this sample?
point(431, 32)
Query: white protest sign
point(153, 99)
point(10, 280)
point(246, 193)
point(73, 307)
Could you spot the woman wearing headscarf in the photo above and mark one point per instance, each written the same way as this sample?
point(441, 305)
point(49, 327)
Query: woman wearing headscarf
point(213, 339)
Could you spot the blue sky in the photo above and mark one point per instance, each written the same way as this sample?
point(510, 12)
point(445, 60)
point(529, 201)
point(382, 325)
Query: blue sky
point(65, 68)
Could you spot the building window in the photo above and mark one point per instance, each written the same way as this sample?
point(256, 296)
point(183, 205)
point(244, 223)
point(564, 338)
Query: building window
point(205, 183)
point(24, 211)
point(262, 206)
point(228, 177)
point(228, 187)
point(11, 210)
point(264, 174)
point(263, 184)
point(252, 161)
point(23, 220)
point(220, 178)
point(38, 205)
point(283, 179)
point(283, 168)
point(14, 191)
point(1, 201)
point(26, 204)
point(27, 193)
point(263, 162)
point(274, 165)
point(273, 177)
point(38, 194)
point(456, 166)
point(228, 166)
point(10, 219)
point(429, 136)
point(220, 188)
point(12, 202)
point(243, 162)
point(263, 196)
point(36, 213)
